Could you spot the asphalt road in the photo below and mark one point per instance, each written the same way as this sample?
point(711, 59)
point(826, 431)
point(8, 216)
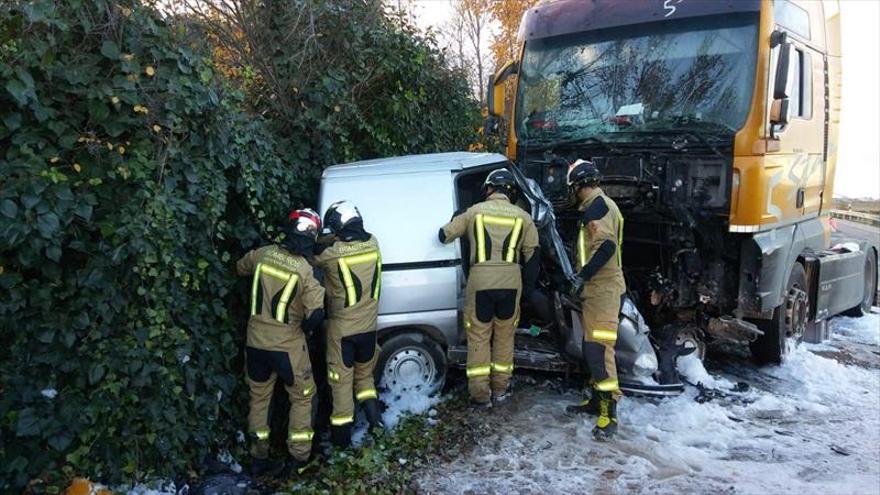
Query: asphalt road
point(853, 230)
point(859, 231)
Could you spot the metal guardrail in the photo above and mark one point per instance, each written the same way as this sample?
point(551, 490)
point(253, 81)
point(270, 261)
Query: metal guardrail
point(856, 216)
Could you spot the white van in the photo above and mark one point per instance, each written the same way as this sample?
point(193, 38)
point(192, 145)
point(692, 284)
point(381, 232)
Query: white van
point(404, 201)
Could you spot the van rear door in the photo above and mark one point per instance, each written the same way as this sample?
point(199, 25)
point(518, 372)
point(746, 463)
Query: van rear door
point(405, 211)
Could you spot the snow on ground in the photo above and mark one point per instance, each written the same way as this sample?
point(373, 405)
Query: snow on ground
point(398, 404)
point(159, 487)
point(859, 330)
point(811, 425)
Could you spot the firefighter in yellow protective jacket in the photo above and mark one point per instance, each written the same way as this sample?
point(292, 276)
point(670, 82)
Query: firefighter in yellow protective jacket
point(598, 263)
point(352, 265)
point(503, 244)
point(286, 300)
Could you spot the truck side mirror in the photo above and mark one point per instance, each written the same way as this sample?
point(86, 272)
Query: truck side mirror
point(780, 109)
point(495, 95)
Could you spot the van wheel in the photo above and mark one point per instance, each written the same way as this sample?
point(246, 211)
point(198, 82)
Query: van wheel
point(870, 286)
point(411, 362)
point(785, 330)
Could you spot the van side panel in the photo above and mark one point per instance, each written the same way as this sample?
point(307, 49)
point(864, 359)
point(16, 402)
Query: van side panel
point(405, 211)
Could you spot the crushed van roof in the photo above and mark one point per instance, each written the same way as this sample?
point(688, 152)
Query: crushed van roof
point(431, 162)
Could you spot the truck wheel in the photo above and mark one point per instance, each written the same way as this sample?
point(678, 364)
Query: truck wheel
point(788, 323)
point(870, 286)
point(411, 362)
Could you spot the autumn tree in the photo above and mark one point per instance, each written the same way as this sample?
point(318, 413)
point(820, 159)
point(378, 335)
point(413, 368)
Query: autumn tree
point(472, 17)
point(508, 14)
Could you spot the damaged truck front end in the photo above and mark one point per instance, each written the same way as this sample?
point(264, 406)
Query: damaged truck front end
point(640, 369)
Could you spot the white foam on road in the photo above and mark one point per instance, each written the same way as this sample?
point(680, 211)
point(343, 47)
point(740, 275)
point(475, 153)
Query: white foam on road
point(811, 425)
point(865, 330)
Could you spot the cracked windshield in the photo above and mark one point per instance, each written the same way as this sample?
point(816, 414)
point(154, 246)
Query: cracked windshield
point(695, 75)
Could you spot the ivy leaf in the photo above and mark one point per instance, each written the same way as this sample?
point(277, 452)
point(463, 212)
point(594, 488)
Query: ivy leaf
point(29, 201)
point(61, 441)
point(110, 50)
point(12, 121)
point(46, 336)
point(28, 423)
point(84, 211)
point(18, 91)
point(8, 208)
point(96, 373)
point(48, 224)
point(53, 253)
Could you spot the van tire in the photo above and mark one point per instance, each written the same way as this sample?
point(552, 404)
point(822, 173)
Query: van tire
point(870, 286)
point(411, 361)
point(788, 322)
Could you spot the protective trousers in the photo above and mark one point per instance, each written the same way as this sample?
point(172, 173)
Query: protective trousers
point(350, 364)
point(601, 310)
point(294, 370)
point(490, 319)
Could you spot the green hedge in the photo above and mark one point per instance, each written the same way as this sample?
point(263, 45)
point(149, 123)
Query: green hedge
point(131, 177)
point(127, 172)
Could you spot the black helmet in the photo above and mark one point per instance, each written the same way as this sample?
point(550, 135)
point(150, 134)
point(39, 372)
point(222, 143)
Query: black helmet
point(503, 181)
point(341, 214)
point(583, 173)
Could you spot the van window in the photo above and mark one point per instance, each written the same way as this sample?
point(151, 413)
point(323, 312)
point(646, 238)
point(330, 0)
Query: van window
point(792, 17)
point(801, 94)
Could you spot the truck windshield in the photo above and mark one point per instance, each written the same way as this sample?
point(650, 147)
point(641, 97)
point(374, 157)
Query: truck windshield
point(693, 74)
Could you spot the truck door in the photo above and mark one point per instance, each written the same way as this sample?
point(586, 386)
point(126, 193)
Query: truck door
point(798, 165)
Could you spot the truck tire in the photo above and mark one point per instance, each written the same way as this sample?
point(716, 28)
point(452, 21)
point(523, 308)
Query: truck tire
point(870, 286)
point(787, 324)
point(411, 362)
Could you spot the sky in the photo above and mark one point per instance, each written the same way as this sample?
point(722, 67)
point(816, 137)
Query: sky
point(858, 169)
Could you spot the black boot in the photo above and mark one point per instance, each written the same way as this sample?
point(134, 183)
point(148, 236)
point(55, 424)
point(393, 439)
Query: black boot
point(266, 467)
point(475, 404)
point(606, 425)
point(587, 406)
point(340, 436)
point(374, 415)
point(296, 467)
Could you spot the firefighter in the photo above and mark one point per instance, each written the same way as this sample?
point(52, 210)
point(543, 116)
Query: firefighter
point(286, 303)
point(352, 264)
point(503, 243)
point(600, 288)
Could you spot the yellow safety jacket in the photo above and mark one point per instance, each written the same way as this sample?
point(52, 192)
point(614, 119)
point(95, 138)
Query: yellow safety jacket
point(284, 290)
point(592, 233)
point(500, 235)
point(353, 276)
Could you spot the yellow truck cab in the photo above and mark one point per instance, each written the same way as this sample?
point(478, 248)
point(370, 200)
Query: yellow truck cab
point(715, 126)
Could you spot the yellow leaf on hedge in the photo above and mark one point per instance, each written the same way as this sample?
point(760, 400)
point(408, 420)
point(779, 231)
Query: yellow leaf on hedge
point(121, 150)
point(54, 159)
point(156, 128)
point(150, 71)
point(82, 486)
point(115, 100)
point(77, 167)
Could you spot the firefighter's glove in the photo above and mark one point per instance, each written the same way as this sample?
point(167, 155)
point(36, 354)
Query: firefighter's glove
point(313, 322)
